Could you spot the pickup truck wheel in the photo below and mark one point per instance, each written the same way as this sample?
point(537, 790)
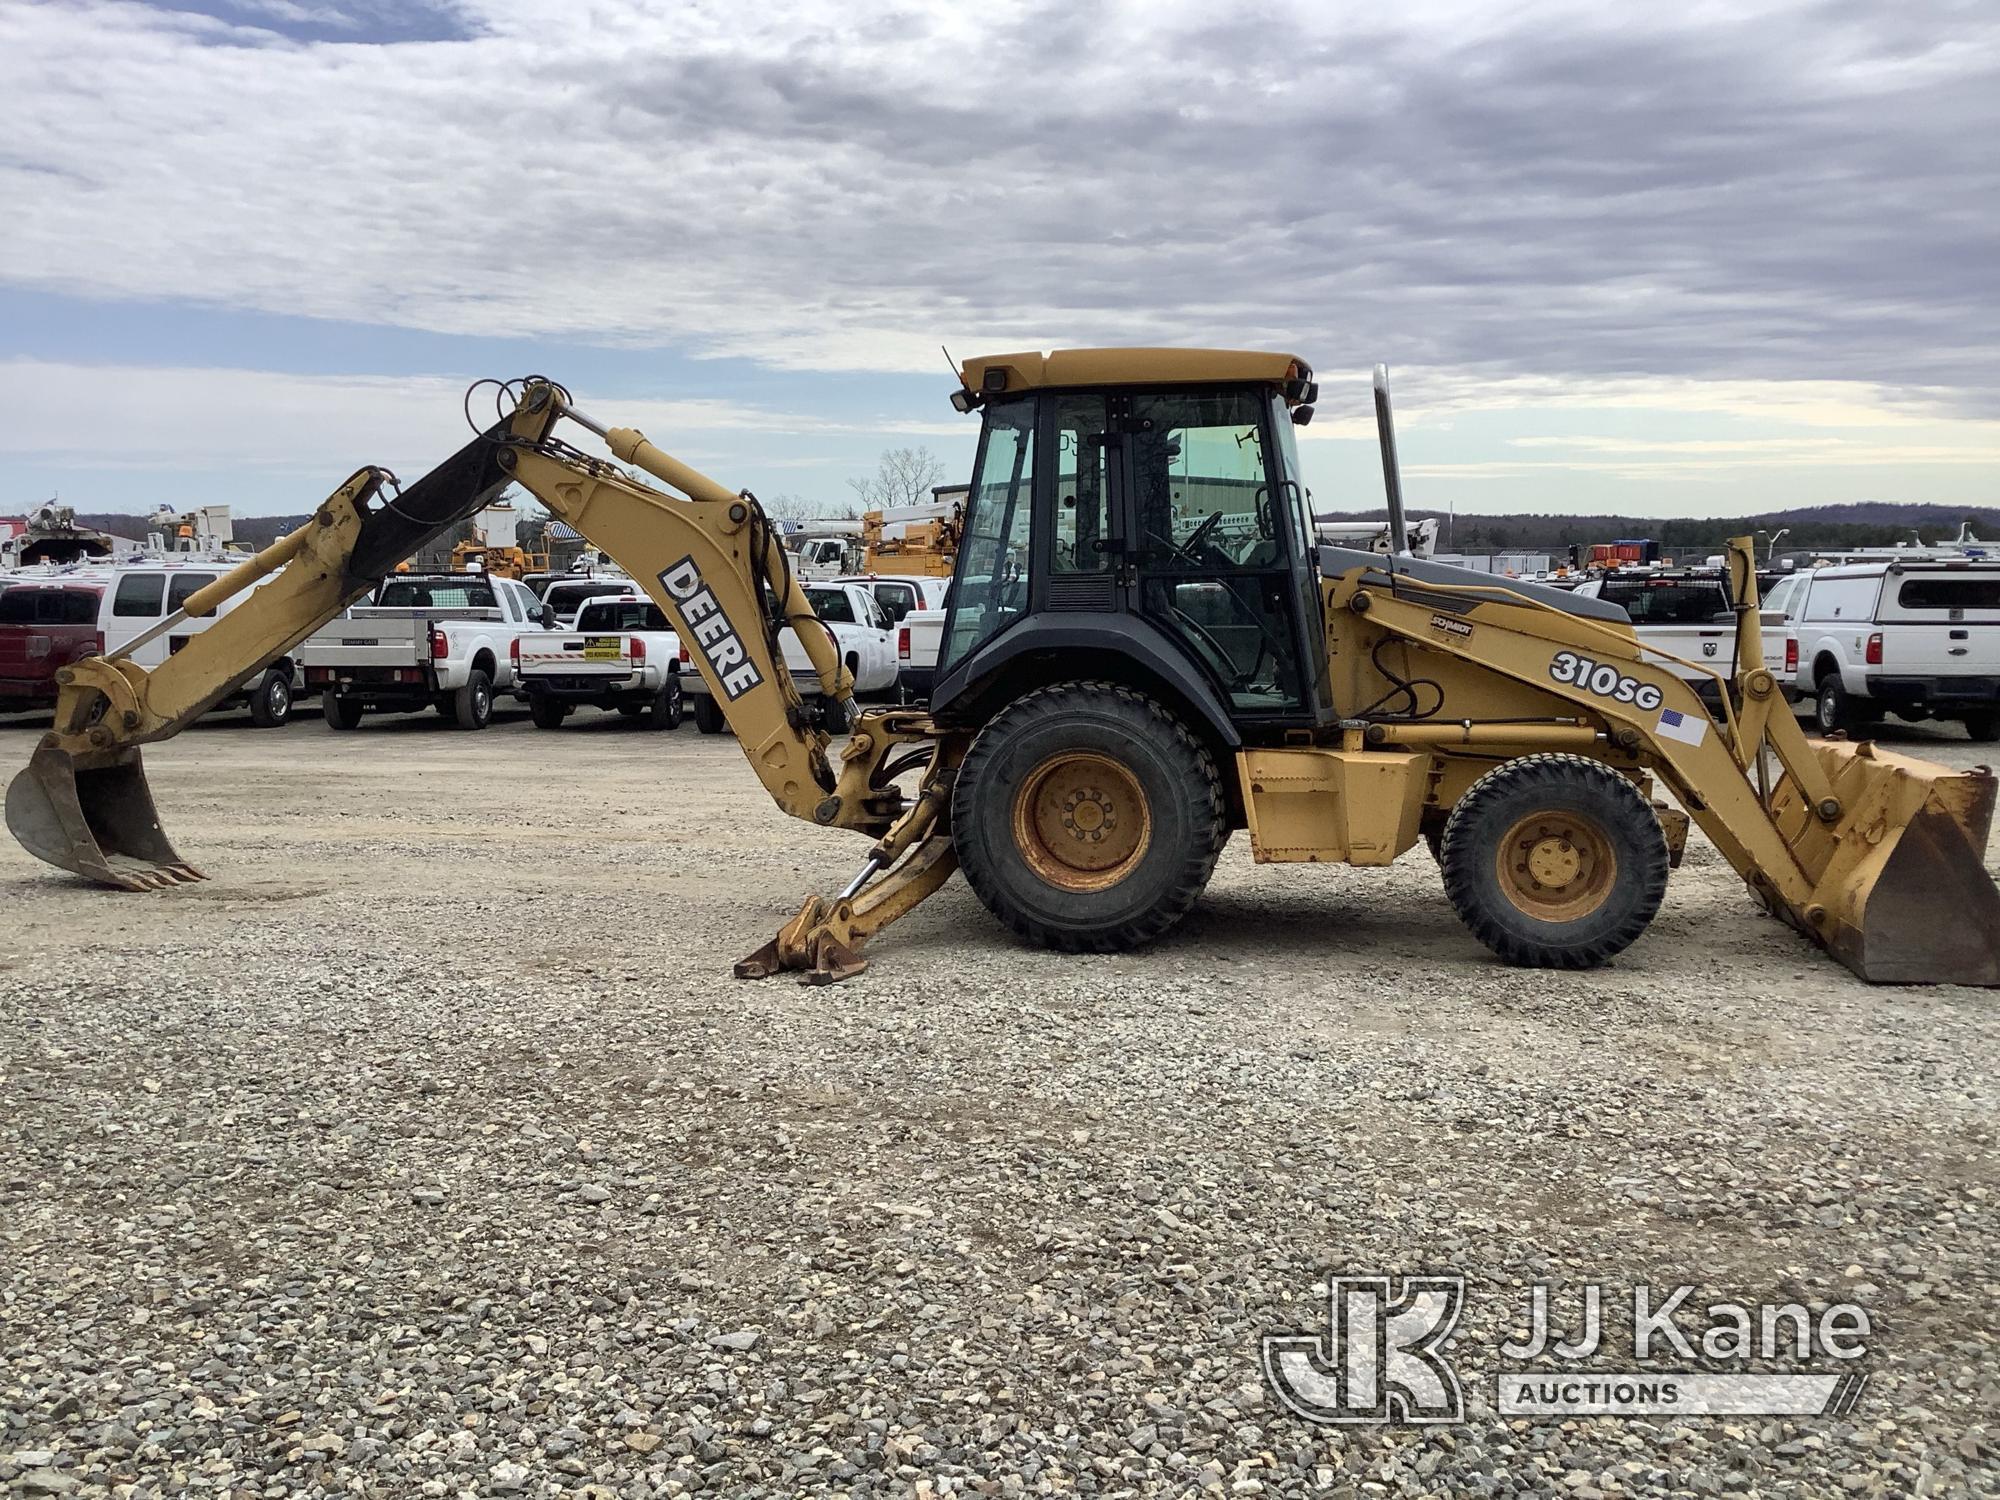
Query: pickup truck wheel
point(271, 701)
point(708, 718)
point(833, 715)
point(1833, 711)
point(1087, 818)
point(1554, 862)
point(472, 705)
point(547, 712)
point(339, 712)
point(1982, 728)
point(664, 712)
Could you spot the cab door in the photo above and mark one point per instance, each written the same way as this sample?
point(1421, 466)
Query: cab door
point(1210, 521)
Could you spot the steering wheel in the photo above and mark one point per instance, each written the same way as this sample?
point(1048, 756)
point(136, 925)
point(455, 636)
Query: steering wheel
point(1191, 549)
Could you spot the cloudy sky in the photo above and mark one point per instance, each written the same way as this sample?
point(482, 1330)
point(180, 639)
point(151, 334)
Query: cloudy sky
point(1722, 257)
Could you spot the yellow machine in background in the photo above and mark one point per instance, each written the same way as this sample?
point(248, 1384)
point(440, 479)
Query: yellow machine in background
point(919, 540)
point(1126, 680)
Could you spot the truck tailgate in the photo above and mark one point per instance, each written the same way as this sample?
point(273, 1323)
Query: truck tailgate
point(32, 653)
point(574, 654)
point(368, 643)
point(1967, 648)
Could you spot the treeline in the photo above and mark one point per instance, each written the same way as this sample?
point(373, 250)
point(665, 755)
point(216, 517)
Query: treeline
point(1805, 528)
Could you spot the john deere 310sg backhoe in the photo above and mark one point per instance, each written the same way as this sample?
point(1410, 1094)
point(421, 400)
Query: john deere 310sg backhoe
point(1145, 651)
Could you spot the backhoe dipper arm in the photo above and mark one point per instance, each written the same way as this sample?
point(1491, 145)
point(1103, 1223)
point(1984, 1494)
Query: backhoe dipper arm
point(712, 562)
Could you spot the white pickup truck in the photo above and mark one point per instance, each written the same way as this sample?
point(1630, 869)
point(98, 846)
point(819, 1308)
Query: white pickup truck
point(622, 655)
point(424, 640)
point(1686, 614)
point(1919, 637)
point(915, 607)
point(860, 630)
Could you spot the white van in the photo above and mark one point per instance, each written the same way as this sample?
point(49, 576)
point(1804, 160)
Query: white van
point(1917, 637)
point(131, 598)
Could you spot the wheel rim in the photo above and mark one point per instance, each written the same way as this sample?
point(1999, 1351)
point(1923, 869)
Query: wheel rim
point(1081, 821)
point(280, 696)
point(1556, 866)
point(481, 701)
point(1826, 713)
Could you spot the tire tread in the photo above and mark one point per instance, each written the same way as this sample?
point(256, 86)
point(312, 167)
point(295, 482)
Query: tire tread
point(1467, 886)
point(1203, 793)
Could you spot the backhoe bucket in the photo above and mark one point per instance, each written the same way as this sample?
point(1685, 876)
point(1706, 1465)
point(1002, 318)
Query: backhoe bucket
point(97, 821)
point(1902, 893)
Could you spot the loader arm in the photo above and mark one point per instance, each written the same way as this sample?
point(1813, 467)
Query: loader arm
point(707, 555)
point(1878, 857)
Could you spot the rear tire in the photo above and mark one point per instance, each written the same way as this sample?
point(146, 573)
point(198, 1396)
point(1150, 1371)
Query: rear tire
point(1087, 818)
point(1833, 711)
point(340, 713)
point(1554, 862)
point(271, 701)
point(834, 717)
point(547, 712)
point(664, 712)
point(472, 705)
point(1982, 728)
point(709, 718)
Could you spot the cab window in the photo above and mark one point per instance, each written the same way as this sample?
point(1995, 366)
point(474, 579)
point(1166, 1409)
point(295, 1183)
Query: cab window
point(896, 600)
point(992, 589)
point(831, 605)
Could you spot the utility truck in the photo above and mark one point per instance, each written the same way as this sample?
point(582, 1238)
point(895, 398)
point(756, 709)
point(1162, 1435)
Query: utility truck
point(622, 655)
point(1918, 636)
point(423, 640)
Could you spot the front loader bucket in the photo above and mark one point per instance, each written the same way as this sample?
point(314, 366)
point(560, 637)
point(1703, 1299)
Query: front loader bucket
point(97, 821)
point(1902, 893)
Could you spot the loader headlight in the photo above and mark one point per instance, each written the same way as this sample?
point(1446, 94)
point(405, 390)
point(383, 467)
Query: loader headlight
point(963, 400)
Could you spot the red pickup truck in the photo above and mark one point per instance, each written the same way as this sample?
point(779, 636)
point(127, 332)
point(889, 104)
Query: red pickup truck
point(44, 626)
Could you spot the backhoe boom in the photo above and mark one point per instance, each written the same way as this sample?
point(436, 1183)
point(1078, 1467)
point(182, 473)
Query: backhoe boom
point(706, 555)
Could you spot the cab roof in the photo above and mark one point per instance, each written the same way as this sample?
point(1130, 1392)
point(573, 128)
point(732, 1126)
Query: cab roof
point(999, 374)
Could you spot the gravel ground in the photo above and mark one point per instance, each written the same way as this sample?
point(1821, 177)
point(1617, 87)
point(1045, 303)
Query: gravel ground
point(428, 1149)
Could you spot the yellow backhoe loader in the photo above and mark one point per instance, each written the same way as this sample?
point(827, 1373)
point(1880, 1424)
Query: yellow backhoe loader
point(1145, 651)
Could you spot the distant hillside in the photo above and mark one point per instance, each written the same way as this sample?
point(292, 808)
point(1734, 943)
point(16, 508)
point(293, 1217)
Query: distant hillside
point(1863, 524)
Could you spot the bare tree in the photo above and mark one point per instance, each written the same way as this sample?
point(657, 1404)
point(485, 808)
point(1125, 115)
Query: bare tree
point(903, 477)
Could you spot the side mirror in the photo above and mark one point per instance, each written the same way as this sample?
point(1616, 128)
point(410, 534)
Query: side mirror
point(546, 616)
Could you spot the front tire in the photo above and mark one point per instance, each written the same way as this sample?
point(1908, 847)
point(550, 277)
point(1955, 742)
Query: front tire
point(1554, 862)
point(340, 712)
point(271, 703)
point(1087, 818)
point(472, 705)
point(708, 717)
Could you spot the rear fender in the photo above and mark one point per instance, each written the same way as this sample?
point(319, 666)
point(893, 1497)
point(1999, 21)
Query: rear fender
point(1069, 646)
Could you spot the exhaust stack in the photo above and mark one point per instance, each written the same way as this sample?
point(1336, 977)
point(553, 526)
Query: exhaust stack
point(1392, 469)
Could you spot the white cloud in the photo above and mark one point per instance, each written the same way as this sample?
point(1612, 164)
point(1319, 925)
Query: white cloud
point(1773, 191)
point(213, 419)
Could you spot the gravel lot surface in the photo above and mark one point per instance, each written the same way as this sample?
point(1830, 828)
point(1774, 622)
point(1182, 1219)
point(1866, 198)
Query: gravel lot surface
point(428, 1149)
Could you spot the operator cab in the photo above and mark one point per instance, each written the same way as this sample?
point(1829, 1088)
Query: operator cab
point(1139, 515)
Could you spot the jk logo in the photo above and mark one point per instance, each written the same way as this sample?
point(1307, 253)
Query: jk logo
point(1378, 1361)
